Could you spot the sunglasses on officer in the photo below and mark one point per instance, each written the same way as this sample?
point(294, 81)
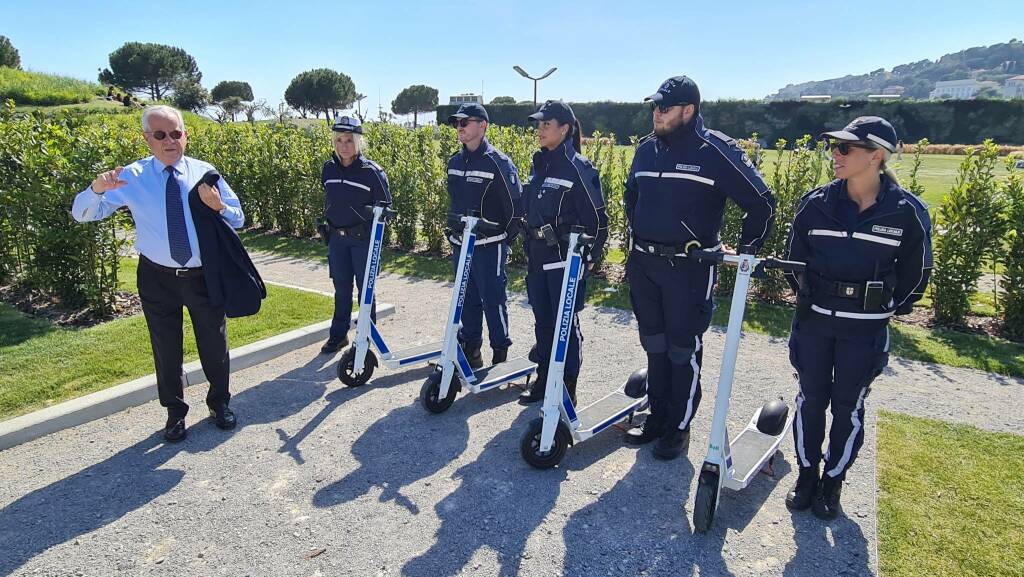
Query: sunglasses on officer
point(844, 147)
point(664, 109)
point(463, 122)
point(160, 134)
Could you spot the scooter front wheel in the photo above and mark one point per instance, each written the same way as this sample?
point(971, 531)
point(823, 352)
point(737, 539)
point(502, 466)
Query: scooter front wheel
point(430, 393)
point(529, 446)
point(346, 368)
point(706, 501)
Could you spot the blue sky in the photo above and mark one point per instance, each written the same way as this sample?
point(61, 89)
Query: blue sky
point(604, 50)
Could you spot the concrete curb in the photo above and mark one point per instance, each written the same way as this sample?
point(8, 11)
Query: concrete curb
point(143, 390)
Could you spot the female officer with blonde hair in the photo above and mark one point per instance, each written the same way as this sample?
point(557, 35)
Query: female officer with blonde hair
point(351, 182)
point(867, 245)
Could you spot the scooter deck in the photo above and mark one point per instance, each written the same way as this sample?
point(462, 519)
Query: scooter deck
point(495, 375)
point(749, 452)
point(605, 412)
point(416, 354)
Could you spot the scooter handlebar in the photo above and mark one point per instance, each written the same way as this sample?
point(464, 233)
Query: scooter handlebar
point(456, 220)
point(386, 214)
point(784, 265)
point(715, 256)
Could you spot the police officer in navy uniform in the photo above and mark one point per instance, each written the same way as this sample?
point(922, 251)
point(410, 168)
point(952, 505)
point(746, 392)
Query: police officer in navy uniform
point(867, 245)
point(675, 198)
point(482, 179)
point(564, 190)
point(351, 182)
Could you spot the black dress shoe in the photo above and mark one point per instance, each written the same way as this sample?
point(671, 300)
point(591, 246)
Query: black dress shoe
point(671, 444)
point(651, 430)
point(333, 346)
point(826, 500)
point(174, 431)
point(803, 493)
point(499, 356)
point(224, 418)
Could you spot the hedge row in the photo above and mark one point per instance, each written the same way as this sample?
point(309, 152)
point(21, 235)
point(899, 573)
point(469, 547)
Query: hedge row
point(946, 121)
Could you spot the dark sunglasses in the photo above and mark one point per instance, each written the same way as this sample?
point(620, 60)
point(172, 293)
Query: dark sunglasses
point(844, 147)
point(464, 122)
point(160, 134)
point(664, 109)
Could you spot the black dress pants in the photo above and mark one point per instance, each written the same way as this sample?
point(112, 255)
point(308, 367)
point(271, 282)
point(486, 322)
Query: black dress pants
point(164, 295)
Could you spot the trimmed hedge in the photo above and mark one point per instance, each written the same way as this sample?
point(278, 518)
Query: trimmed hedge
point(946, 121)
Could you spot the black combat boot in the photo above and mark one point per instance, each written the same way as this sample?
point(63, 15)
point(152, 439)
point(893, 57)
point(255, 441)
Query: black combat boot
point(826, 500)
point(803, 493)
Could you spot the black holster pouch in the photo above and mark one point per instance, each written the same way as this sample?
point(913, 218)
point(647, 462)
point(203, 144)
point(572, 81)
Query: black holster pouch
point(324, 230)
point(549, 235)
point(803, 298)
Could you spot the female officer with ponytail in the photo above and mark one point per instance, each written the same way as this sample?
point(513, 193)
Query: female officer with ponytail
point(564, 191)
point(867, 245)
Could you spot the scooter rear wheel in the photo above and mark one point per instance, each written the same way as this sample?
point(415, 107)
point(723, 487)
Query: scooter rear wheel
point(529, 446)
point(431, 390)
point(346, 368)
point(706, 501)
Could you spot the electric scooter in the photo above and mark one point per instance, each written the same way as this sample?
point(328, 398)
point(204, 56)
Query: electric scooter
point(734, 464)
point(548, 437)
point(358, 362)
point(453, 372)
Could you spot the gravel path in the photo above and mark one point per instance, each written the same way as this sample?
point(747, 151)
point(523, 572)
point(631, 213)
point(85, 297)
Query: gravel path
point(320, 479)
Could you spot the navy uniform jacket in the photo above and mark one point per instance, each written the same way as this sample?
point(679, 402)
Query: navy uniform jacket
point(349, 189)
point(564, 190)
point(677, 186)
point(485, 180)
point(890, 242)
point(232, 281)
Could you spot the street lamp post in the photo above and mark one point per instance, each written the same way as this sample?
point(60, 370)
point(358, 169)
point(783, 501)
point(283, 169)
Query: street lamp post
point(541, 77)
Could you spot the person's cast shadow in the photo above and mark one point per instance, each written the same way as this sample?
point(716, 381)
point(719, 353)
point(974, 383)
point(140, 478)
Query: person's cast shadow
point(104, 492)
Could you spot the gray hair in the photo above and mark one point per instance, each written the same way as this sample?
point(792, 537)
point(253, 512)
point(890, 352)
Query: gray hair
point(161, 110)
point(357, 139)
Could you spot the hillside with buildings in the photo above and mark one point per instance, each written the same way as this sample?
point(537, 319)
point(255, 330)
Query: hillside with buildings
point(995, 71)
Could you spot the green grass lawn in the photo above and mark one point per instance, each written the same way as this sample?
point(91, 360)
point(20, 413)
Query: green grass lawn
point(36, 88)
point(951, 499)
point(911, 342)
point(41, 364)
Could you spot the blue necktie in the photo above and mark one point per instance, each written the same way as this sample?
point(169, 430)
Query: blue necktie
point(177, 234)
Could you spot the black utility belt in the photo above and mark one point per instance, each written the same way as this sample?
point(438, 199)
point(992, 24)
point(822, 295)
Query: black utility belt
point(872, 293)
point(547, 233)
point(358, 231)
point(178, 272)
point(666, 250)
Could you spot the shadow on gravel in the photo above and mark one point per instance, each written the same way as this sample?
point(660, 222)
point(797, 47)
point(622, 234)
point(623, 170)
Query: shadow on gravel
point(103, 493)
point(335, 399)
point(499, 504)
point(642, 526)
point(407, 445)
point(836, 548)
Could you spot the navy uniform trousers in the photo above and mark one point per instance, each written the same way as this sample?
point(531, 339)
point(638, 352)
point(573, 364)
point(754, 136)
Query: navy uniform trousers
point(544, 290)
point(672, 303)
point(835, 368)
point(486, 296)
point(346, 258)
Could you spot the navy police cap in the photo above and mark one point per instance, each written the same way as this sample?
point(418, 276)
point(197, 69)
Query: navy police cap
point(554, 110)
point(469, 110)
point(675, 91)
point(347, 124)
point(874, 129)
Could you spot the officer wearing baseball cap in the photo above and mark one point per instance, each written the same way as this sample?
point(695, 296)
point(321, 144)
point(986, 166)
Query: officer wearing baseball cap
point(564, 190)
point(351, 182)
point(675, 198)
point(867, 245)
point(482, 178)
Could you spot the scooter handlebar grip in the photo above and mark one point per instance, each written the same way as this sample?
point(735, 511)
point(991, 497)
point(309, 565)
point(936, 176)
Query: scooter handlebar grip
point(784, 265)
point(715, 256)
